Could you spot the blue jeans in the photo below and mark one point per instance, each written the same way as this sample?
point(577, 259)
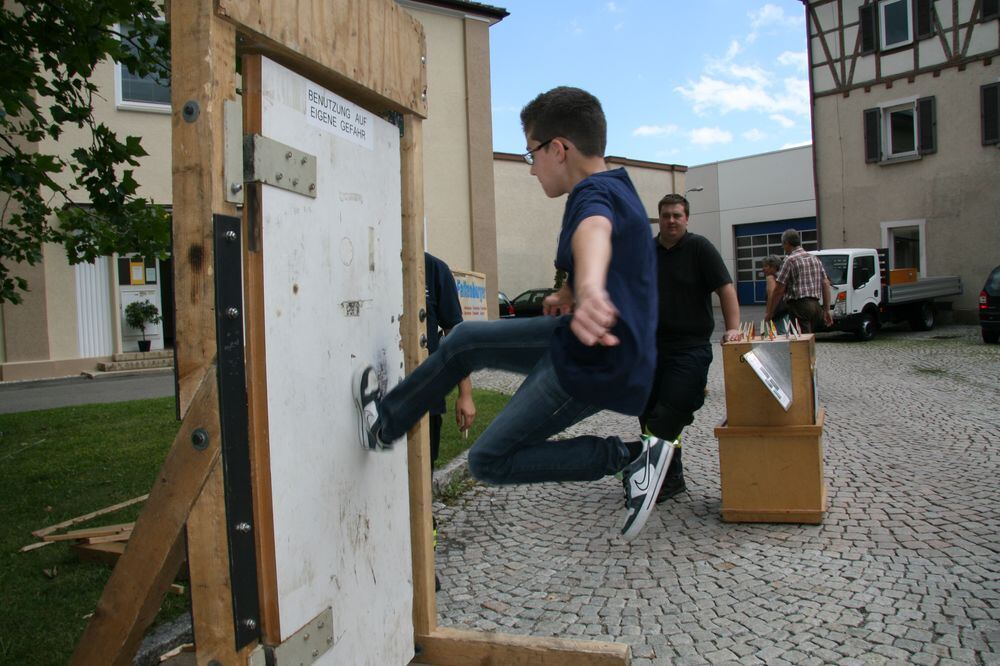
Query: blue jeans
point(515, 448)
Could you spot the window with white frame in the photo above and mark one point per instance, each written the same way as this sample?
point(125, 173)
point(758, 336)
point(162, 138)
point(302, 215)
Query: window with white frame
point(902, 129)
point(140, 93)
point(895, 23)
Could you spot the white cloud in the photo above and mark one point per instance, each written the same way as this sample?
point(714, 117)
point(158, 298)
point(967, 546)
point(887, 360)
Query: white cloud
point(797, 145)
point(797, 59)
point(751, 72)
point(704, 136)
point(575, 27)
point(613, 8)
point(714, 94)
point(784, 121)
point(619, 26)
point(655, 130)
point(754, 135)
point(769, 16)
point(733, 50)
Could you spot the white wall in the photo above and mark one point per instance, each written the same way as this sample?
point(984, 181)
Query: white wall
point(757, 188)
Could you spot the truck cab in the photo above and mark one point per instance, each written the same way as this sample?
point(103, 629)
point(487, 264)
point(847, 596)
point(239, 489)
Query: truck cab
point(856, 282)
point(866, 294)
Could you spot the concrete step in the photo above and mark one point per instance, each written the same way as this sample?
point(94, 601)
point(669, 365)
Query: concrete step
point(129, 361)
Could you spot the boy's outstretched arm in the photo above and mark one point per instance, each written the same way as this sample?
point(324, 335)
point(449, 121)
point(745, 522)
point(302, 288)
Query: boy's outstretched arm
point(594, 314)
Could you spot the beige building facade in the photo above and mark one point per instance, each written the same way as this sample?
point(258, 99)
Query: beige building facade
point(904, 102)
point(528, 222)
point(72, 318)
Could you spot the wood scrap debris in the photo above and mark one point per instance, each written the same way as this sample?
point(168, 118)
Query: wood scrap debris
point(89, 535)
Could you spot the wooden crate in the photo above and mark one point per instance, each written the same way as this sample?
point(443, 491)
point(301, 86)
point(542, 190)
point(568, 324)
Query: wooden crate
point(772, 475)
point(750, 403)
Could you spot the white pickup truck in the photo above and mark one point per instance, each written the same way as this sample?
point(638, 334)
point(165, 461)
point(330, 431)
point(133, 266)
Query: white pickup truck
point(866, 295)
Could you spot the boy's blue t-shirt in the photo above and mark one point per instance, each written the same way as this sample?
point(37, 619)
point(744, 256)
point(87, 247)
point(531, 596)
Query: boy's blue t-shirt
point(619, 377)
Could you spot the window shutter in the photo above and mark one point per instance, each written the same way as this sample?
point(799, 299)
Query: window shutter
point(990, 109)
point(990, 9)
point(873, 135)
point(926, 126)
point(869, 28)
point(923, 25)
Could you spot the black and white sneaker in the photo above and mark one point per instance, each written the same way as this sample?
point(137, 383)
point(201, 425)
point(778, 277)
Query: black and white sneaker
point(643, 478)
point(367, 396)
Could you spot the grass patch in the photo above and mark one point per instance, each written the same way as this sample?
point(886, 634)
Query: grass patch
point(488, 405)
point(59, 463)
point(54, 465)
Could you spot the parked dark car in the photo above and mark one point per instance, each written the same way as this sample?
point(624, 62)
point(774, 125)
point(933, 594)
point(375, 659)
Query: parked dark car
point(506, 309)
point(989, 307)
point(529, 303)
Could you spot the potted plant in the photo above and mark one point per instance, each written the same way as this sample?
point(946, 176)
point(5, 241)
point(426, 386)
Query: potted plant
point(137, 315)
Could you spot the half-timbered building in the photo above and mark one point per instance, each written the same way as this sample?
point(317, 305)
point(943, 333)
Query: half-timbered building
point(905, 97)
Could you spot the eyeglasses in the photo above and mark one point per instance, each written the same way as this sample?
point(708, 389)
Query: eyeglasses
point(529, 156)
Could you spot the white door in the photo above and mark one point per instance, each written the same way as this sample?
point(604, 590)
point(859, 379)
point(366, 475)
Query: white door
point(332, 296)
point(93, 309)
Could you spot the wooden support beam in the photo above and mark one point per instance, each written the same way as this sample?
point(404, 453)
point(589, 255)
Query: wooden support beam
point(373, 51)
point(135, 591)
point(256, 370)
point(203, 60)
point(411, 329)
point(452, 647)
point(203, 54)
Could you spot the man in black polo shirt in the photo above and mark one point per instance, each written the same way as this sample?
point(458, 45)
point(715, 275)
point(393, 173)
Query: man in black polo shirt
point(689, 269)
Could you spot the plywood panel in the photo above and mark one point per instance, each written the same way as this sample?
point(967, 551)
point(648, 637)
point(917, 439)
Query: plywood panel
point(332, 301)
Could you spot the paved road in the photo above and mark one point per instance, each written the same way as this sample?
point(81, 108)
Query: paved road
point(904, 569)
point(49, 393)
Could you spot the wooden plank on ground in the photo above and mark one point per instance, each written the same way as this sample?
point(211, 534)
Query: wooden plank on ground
point(452, 647)
point(89, 516)
point(89, 532)
point(135, 591)
point(374, 50)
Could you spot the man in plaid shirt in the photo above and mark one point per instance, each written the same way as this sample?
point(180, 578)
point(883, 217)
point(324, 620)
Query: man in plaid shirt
point(802, 282)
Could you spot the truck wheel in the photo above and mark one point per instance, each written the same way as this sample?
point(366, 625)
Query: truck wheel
point(866, 328)
point(922, 317)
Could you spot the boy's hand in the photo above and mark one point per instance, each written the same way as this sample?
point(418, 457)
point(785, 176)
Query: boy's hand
point(465, 412)
point(559, 302)
point(593, 318)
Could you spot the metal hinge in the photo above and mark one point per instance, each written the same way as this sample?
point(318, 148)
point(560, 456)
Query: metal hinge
point(273, 163)
point(307, 644)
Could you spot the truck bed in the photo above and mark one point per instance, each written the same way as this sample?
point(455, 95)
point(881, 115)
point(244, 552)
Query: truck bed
point(924, 289)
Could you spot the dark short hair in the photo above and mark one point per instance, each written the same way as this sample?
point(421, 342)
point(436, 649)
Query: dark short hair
point(772, 260)
point(567, 112)
point(791, 236)
point(673, 200)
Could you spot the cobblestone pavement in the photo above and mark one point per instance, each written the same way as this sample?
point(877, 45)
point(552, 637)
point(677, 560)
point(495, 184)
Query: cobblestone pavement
point(904, 569)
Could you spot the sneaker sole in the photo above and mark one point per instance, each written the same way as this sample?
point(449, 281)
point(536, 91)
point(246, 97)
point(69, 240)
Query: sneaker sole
point(363, 436)
point(649, 501)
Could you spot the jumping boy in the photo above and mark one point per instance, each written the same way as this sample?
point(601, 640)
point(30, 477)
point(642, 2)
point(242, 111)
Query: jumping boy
point(594, 350)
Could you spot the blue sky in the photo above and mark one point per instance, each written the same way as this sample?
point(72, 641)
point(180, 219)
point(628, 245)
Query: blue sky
point(681, 82)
